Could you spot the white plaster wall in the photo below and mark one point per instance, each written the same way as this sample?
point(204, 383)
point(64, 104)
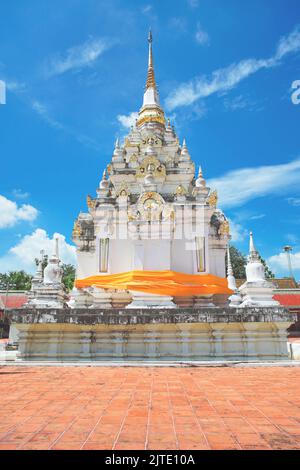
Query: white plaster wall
point(86, 264)
point(157, 255)
point(182, 259)
point(120, 256)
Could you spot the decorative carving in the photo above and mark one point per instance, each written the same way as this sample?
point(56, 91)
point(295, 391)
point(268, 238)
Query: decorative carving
point(76, 229)
point(151, 165)
point(213, 199)
point(109, 169)
point(180, 191)
point(90, 202)
point(150, 206)
point(132, 214)
point(133, 158)
point(151, 118)
point(224, 228)
point(123, 190)
point(152, 140)
point(168, 212)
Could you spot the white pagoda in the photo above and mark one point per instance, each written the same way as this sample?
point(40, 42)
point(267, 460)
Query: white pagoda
point(152, 214)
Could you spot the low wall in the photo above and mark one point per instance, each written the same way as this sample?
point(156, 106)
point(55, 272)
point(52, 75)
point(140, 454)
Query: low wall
point(152, 334)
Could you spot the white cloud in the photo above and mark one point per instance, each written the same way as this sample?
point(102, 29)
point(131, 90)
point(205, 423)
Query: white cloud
point(258, 217)
point(292, 238)
point(288, 44)
point(193, 3)
point(240, 186)
point(225, 79)
point(19, 194)
point(129, 120)
point(147, 9)
point(178, 23)
point(17, 87)
point(22, 255)
point(221, 80)
point(279, 263)
point(201, 36)
point(11, 213)
point(294, 201)
point(77, 57)
point(43, 112)
point(237, 231)
point(238, 102)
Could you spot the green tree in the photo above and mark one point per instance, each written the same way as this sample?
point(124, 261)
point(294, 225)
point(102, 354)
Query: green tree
point(68, 276)
point(15, 280)
point(268, 272)
point(239, 261)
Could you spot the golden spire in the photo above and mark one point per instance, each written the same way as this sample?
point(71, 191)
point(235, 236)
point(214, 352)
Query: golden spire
point(150, 83)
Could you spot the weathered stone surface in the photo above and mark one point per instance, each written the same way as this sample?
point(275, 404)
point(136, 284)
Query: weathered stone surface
point(143, 316)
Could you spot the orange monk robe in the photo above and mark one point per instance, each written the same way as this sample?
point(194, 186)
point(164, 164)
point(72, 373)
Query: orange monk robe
point(169, 283)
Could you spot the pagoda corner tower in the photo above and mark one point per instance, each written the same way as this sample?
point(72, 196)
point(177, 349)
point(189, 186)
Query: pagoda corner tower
point(152, 236)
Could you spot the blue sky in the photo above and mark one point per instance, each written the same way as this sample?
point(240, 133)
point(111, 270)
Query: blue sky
point(75, 71)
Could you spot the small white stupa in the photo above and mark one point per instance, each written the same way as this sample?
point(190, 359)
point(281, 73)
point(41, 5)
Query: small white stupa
point(47, 289)
point(257, 290)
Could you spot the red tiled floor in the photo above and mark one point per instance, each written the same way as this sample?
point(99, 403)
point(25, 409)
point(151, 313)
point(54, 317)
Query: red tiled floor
point(149, 408)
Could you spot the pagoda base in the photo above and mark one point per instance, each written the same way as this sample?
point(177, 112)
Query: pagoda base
point(257, 294)
point(204, 334)
point(142, 300)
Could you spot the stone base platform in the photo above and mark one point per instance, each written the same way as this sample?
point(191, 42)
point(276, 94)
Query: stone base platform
point(203, 334)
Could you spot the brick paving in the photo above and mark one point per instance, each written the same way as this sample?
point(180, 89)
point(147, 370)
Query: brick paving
point(149, 408)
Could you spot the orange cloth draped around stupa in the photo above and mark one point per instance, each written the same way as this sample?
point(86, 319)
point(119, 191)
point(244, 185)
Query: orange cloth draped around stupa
point(169, 283)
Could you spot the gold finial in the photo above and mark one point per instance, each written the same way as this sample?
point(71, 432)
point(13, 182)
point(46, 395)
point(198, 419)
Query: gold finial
point(150, 83)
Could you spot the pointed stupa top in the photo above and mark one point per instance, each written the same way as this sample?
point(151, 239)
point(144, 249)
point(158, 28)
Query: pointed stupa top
point(200, 181)
point(104, 183)
point(118, 152)
point(151, 111)
point(255, 270)
point(184, 152)
point(253, 253)
point(150, 82)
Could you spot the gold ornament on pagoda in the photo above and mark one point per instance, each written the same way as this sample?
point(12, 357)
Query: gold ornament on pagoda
point(180, 191)
point(123, 190)
point(133, 158)
point(150, 206)
point(76, 229)
point(151, 165)
point(225, 228)
point(213, 199)
point(90, 202)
